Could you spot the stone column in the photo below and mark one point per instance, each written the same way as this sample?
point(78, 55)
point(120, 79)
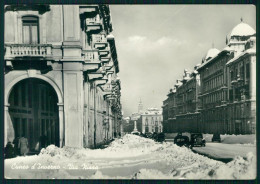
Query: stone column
point(9, 131)
point(73, 104)
point(252, 86)
point(61, 123)
point(135, 128)
point(252, 93)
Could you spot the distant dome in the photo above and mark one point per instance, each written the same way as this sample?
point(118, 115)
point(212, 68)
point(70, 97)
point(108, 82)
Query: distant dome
point(211, 53)
point(242, 29)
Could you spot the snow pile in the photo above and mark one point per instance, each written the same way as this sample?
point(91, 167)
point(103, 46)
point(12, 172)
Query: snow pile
point(208, 137)
point(239, 168)
point(128, 146)
point(239, 139)
point(132, 145)
point(130, 157)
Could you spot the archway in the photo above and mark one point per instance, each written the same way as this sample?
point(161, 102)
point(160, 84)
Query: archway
point(34, 111)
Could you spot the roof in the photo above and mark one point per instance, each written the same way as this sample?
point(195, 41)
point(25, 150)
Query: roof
point(248, 51)
point(152, 111)
point(211, 53)
point(242, 29)
point(226, 49)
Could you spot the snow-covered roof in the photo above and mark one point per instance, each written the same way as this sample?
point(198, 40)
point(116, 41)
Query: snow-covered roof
point(110, 36)
point(242, 29)
point(248, 51)
point(211, 53)
point(152, 111)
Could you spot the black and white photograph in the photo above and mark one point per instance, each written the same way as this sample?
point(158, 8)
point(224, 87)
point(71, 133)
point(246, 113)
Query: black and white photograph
point(120, 91)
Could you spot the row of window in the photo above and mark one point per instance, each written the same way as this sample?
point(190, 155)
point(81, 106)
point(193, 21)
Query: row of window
point(214, 97)
point(218, 65)
point(213, 83)
point(238, 72)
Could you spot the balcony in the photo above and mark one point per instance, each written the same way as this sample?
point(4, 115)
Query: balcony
point(105, 59)
point(93, 24)
point(90, 56)
point(88, 9)
point(27, 50)
point(103, 52)
point(99, 41)
point(91, 60)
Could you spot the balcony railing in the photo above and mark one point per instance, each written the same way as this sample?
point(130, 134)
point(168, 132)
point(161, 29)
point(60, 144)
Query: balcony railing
point(86, 9)
point(90, 56)
point(93, 21)
point(93, 25)
point(99, 38)
point(28, 50)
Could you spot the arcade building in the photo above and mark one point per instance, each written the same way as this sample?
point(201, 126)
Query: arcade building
point(60, 72)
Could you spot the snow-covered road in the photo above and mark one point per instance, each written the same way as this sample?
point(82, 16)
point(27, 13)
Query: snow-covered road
point(223, 151)
point(131, 157)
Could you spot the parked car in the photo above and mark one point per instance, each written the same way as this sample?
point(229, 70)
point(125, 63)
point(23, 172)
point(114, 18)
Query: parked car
point(143, 135)
point(135, 133)
point(182, 140)
point(149, 134)
point(154, 136)
point(216, 137)
point(160, 137)
point(196, 139)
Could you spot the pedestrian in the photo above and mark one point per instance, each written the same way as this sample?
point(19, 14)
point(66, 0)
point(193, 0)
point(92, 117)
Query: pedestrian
point(15, 143)
point(43, 141)
point(9, 150)
point(23, 145)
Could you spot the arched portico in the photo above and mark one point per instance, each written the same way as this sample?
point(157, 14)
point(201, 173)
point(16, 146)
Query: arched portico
point(9, 130)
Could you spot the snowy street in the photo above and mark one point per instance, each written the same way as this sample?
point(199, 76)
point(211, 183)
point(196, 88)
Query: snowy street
point(230, 147)
point(225, 151)
point(130, 157)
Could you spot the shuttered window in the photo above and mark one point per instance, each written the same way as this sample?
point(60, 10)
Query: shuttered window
point(30, 30)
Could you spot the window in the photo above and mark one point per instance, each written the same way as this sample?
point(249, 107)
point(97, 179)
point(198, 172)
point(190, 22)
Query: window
point(146, 121)
point(232, 75)
point(231, 95)
point(30, 30)
point(247, 71)
point(241, 72)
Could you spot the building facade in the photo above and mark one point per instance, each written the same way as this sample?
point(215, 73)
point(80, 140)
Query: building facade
point(151, 121)
point(213, 96)
point(242, 90)
point(225, 90)
point(61, 79)
point(183, 104)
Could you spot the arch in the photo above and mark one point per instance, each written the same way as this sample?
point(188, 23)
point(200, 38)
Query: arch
point(9, 134)
point(10, 86)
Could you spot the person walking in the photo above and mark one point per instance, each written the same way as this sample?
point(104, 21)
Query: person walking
point(43, 141)
point(15, 143)
point(9, 150)
point(23, 145)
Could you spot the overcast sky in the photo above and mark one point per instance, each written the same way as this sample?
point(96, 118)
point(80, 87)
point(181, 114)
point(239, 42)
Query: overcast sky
point(155, 43)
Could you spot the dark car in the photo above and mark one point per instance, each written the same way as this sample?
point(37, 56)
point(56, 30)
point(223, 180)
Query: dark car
point(143, 135)
point(154, 136)
point(149, 134)
point(182, 140)
point(196, 139)
point(135, 133)
point(216, 137)
point(160, 137)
